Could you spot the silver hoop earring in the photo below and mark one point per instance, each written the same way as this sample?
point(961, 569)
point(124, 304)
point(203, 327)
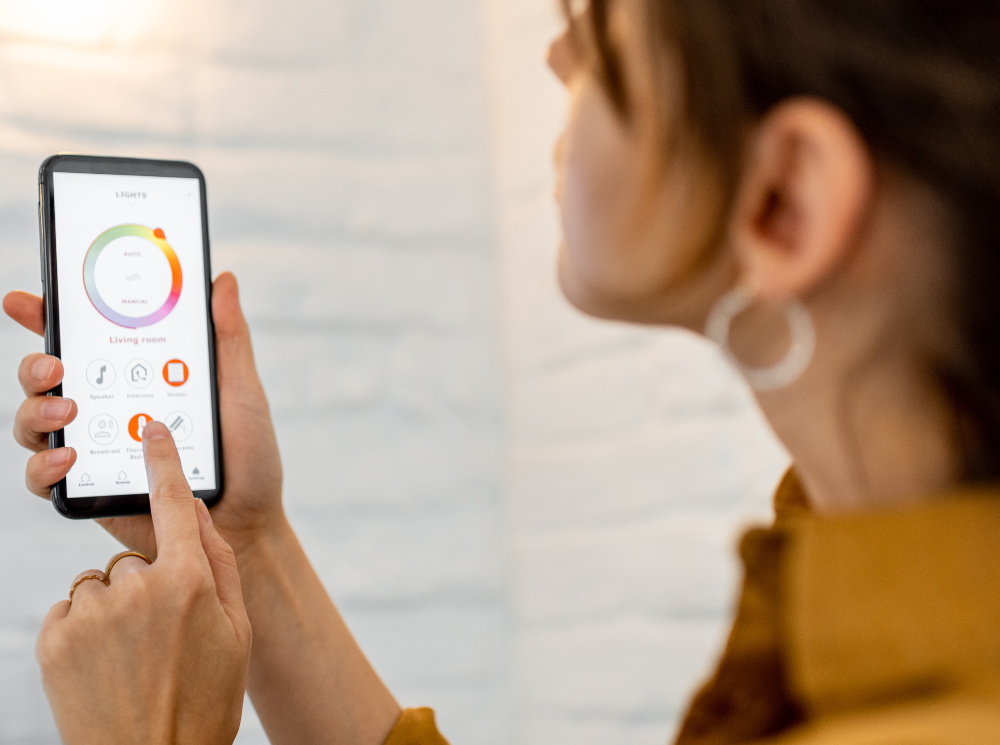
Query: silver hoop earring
point(796, 360)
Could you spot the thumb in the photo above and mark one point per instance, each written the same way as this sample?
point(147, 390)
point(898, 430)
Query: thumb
point(171, 503)
point(222, 560)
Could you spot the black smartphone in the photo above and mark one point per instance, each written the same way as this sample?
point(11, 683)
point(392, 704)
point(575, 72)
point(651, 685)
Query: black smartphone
point(127, 280)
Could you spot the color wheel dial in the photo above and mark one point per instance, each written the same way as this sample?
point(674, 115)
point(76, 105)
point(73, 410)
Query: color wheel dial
point(126, 277)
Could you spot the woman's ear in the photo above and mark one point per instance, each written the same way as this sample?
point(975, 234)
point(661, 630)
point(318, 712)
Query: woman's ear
point(806, 189)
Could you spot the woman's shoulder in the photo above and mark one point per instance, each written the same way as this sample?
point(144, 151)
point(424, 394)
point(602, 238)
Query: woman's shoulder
point(970, 718)
point(416, 727)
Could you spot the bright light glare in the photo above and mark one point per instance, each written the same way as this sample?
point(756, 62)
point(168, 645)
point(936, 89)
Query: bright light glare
point(76, 20)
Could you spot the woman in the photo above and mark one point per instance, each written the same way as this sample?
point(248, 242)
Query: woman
point(816, 183)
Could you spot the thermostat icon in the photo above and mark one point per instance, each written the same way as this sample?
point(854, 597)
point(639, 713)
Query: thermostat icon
point(137, 424)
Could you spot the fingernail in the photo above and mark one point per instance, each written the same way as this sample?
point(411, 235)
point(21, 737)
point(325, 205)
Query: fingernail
point(155, 431)
point(58, 457)
point(206, 516)
point(57, 409)
point(43, 368)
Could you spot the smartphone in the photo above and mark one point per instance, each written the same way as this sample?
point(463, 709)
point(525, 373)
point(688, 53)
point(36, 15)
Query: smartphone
point(127, 280)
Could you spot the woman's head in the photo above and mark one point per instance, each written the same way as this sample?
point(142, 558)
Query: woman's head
point(843, 152)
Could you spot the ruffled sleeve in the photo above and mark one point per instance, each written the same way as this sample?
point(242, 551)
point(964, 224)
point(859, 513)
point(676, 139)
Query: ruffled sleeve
point(416, 727)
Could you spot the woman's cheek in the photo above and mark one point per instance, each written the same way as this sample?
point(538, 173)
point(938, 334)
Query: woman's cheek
point(597, 185)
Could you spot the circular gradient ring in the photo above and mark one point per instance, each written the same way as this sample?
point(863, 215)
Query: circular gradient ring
point(153, 236)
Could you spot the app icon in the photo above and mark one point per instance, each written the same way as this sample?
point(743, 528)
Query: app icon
point(139, 373)
point(180, 425)
point(137, 424)
point(175, 373)
point(101, 374)
point(103, 429)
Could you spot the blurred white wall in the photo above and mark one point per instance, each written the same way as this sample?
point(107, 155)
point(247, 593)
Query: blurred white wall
point(527, 517)
point(635, 457)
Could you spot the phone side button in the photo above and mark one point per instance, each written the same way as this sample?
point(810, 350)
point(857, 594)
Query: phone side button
point(41, 235)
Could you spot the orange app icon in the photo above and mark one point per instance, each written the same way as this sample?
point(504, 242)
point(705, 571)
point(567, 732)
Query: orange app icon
point(137, 424)
point(175, 373)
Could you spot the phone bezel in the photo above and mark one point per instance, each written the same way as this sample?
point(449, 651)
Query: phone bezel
point(85, 508)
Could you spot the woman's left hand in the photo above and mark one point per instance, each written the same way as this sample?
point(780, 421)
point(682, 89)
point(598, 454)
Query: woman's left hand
point(160, 654)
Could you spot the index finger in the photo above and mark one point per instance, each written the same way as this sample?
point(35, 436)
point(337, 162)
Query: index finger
point(171, 502)
point(26, 309)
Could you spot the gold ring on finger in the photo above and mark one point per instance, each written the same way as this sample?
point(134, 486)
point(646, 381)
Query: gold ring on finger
point(82, 580)
point(118, 557)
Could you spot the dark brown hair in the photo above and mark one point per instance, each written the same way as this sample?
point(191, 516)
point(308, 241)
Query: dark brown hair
point(921, 81)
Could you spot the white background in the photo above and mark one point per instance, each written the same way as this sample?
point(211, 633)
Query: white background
point(527, 517)
point(86, 206)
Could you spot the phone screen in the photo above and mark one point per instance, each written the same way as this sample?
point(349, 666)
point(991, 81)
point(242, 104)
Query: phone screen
point(133, 326)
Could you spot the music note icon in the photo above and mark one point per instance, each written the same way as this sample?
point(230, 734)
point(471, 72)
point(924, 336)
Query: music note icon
point(101, 374)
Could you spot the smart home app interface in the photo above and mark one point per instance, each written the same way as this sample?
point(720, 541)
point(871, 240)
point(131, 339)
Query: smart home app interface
point(133, 326)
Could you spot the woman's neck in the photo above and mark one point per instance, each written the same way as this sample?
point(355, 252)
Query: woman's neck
point(870, 441)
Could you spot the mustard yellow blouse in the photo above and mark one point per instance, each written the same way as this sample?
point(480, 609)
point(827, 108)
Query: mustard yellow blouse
point(875, 629)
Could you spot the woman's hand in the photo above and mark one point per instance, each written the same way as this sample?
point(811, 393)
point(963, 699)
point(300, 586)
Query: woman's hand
point(309, 681)
point(160, 655)
point(251, 502)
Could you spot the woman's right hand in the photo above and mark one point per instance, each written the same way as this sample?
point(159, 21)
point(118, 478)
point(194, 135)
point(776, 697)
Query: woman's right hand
point(251, 502)
point(159, 654)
